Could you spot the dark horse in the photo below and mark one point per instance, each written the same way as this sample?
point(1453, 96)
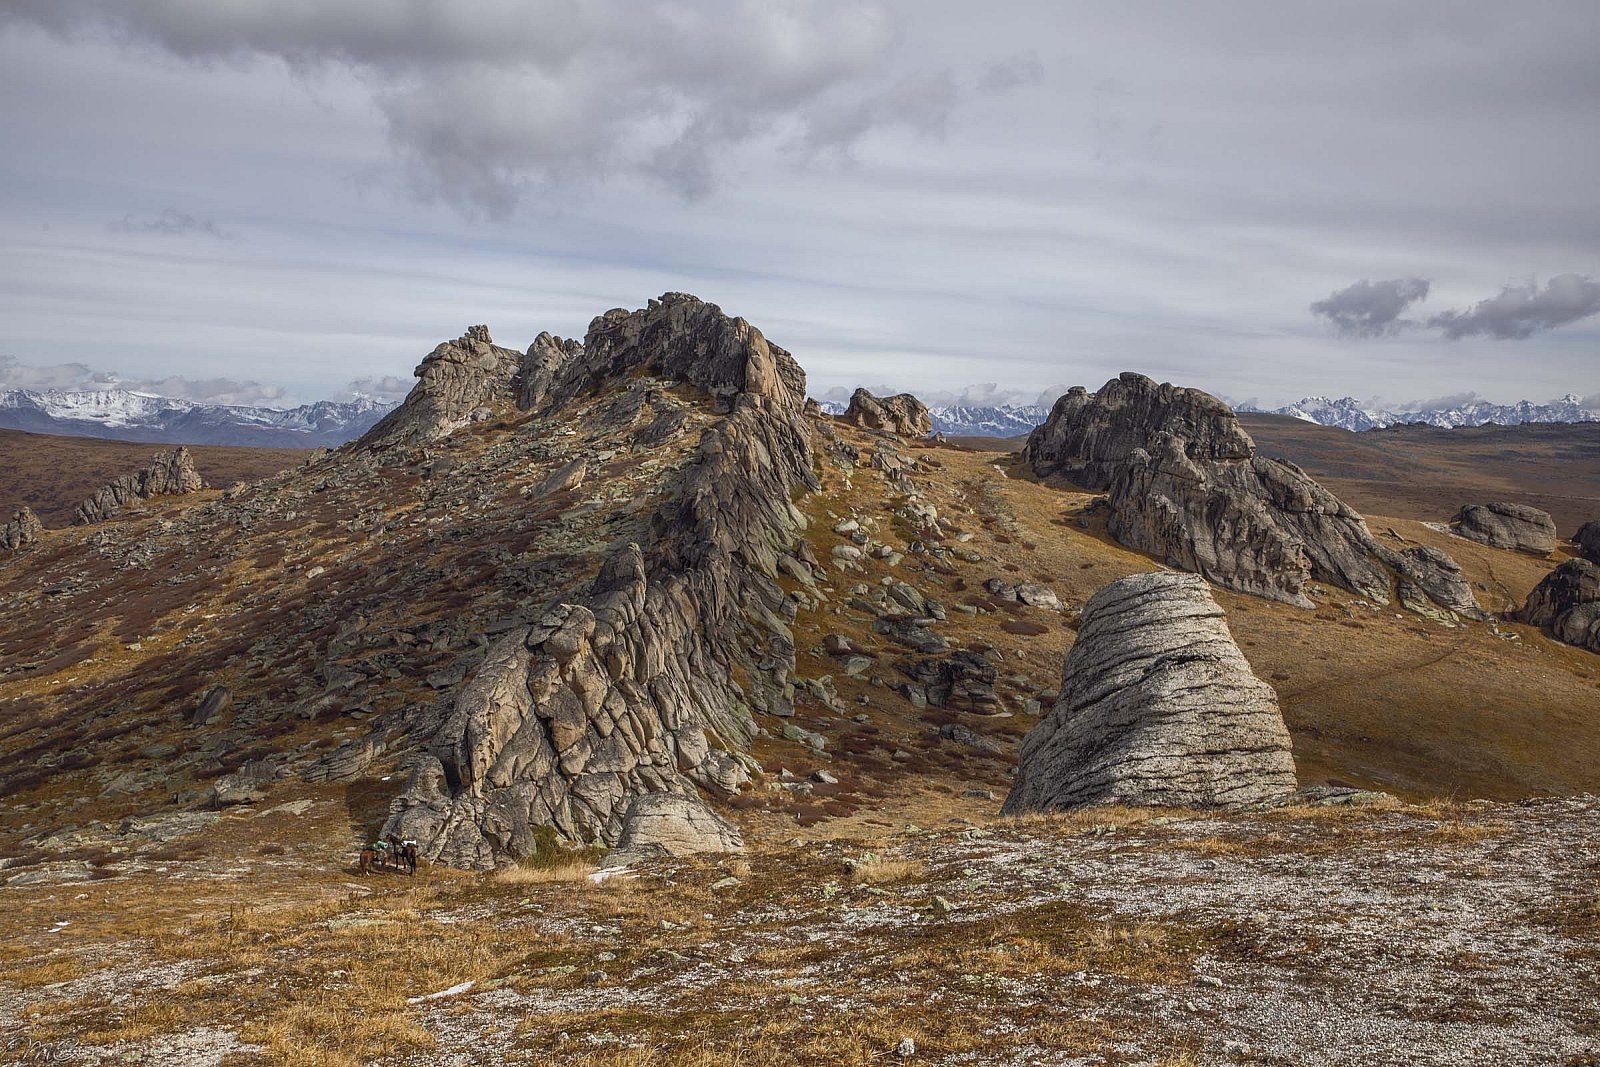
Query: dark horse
point(389, 852)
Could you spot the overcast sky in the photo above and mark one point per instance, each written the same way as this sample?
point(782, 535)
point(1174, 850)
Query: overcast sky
point(1267, 200)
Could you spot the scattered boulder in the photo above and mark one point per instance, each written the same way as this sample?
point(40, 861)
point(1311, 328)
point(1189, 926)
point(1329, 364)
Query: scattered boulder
point(169, 474)
point(216, 701)
point(903, 415)
point(968, 737)
point(656, 825)
point(246, 785)
point(1185, 484)
point(1502, 525)
point(22, 530)
point(1031, 593)
point(1158, 707)
point(1567, 604)
point(564, 479)
point(963, 680)
point(1587, 541)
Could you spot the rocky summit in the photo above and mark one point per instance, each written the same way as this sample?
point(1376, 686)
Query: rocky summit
point(1158, 707)
point(1185, 483)
point(169, 474)
point(1502, 525)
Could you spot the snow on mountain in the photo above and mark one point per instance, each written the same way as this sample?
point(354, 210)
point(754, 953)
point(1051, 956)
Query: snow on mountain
point(1349, 414)
point(128, 416)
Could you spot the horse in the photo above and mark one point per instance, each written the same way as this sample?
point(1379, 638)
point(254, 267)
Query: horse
point(369, 859)
point(406, 855)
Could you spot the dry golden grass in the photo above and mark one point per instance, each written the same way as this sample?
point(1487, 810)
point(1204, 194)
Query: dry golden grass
point(877, 870)
point(574, 871)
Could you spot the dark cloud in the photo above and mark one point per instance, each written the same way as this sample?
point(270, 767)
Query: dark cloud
point(486, 102)
point(170, 222)
point(1520, 311)
point(1372, 309)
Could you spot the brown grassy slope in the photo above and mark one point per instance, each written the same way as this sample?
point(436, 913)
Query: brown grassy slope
point(1422, 472)
point(53, 475)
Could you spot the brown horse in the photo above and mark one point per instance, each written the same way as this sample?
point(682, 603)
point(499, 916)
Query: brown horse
point(369, 859)
point(406, 856)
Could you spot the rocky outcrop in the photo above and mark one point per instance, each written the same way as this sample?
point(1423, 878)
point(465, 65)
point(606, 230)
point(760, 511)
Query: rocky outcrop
point(1501, 525)
point(643, 683)
point(1567, 604)
point(169, 474)
point(1185, 484)
point(903, 414)
point(658, 825)
point(22, 530)
point(1158, 707)
point(1587, 541)
point(460, 382)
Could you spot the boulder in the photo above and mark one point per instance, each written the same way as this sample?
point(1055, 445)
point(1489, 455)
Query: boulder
point(903, 415)
point(1567, 604)
point(658, 825)
point(217, 700)
point(169, 474)
point(963, 680)
point(1587, 541)
point(1158, 707)
point(1501, 525)
point(22, 530)
point(1031, 593)
point(1185, 484)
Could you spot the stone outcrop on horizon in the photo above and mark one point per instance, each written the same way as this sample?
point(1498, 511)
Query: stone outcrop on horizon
point(1157, 707)
point(1185, 484)
point(903, 414)
point(169, 474)
point(21, 530)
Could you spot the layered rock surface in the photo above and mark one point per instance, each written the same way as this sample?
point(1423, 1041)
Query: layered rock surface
point(633, 686)
point(1567, 603)
point(169, 474)
point(1185, 484)
point(21, 530)
point(902, 414)
point(1157, 707)
point(1502, 525)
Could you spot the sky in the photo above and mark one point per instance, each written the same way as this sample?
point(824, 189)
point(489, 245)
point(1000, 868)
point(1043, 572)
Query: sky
point(282, 200)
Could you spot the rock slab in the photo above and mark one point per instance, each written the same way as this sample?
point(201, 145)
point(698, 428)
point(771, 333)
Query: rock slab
point(1502, 525)
point(169, 474)
point(1158, 707)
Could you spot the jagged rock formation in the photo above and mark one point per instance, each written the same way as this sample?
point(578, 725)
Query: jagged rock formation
point(22, 530)
point(1501, 525)
point(1587, 541)
point(1567, 603)
point(169, 474)
point(902, 414)
point(1158, 707)
point(459, 382)
point(1185, 484)
point(644, 683)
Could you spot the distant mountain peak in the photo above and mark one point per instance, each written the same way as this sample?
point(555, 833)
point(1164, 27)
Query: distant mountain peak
point(1349, 413)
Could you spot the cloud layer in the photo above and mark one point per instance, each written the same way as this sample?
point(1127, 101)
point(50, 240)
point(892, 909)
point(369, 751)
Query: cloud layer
point(1371, 309)
point(1375, 309)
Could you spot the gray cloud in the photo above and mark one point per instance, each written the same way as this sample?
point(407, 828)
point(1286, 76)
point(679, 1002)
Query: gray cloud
point(487, 102)
point(1372, 309)
point(387, 387)
point(1520, 311)
point(172, 223)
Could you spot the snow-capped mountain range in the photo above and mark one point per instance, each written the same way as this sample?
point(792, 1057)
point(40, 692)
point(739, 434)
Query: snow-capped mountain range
point(1349, 414)
point(1002, 420)
point(122, 415)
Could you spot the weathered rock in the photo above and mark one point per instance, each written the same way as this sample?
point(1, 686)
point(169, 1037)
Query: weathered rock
point(1567, 603)
point(1031, 593)
point(1157, 707)
point(902, 414)
point(216, 701)
point(1185, 484)
point(22, 530)
point(169, 474)
point(1587, 541)
point(1430, 580)
point(967, 736)
point(963, 680)
point(1502, 525)
point(245, 786)
point(563, 479)
point(629, 688)
point(656, 825)
point(457, 382)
